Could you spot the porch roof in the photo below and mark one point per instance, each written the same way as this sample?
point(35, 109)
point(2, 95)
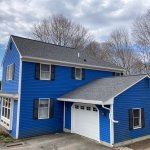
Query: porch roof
point(9, 94)
point(102, 90)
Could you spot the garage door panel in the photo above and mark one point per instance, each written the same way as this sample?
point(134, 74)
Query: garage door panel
point(85, 121)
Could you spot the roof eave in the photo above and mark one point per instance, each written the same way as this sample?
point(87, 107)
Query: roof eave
point(36, 59)
point(81, 101)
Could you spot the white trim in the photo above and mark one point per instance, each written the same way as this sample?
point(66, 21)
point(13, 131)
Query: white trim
point(57, 62)
point(111, 125)
point(132, 141)
point(49, 71)
point(48, 107)
point(140, 126)
point(5, 120)
point(80, 101)
point(126, 88)
point(64, 117)
point(19, 99)
point(10, 95)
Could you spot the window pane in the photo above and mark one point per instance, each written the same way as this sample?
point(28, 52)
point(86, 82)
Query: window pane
point(136, 122)
point(3, 109)
point(5, 112)
point(43, 112)
point(136, 112)
point(45, 67)
point(8, 114)
point(45, 75)
point(78, 73)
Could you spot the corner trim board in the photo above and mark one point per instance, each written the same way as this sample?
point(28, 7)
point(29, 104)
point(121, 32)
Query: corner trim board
point(19, 100)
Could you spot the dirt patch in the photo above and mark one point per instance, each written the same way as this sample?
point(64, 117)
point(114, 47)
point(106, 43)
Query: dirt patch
point(143, 145)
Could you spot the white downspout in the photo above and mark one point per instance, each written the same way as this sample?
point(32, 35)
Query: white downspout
point(110, 114)
point(112, 121)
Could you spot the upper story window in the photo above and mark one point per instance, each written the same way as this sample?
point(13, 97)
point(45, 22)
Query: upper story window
point(44, 71)
point(136, 118)
point(78, 73)
point(117, 74)
point(10, 72)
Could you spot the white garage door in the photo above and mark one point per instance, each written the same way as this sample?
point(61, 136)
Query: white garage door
point(85, 120)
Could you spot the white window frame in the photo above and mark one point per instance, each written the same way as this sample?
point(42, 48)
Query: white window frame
point(40, 99)
point(5, 122)
point(78, 78)
point(9, 76)
point(49, 71)
point(140, 119)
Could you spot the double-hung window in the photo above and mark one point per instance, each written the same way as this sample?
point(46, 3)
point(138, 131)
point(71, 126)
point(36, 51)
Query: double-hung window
point(136, 118)
point(78, 73)
point(43, 108)
point(10, 72)
point(6, 112)
point(45, 72)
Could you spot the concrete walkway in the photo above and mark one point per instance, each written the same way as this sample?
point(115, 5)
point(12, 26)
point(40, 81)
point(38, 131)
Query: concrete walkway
point(61, 141)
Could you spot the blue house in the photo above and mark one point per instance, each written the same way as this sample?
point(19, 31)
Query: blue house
point(48, 88)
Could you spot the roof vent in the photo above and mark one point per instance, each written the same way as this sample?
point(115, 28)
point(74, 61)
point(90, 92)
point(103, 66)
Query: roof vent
point(84, 59)
point(78, 55)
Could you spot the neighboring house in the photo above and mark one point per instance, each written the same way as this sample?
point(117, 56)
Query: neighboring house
point(48, 88)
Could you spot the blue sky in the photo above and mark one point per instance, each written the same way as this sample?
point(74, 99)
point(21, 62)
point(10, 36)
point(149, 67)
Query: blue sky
point(100, 17)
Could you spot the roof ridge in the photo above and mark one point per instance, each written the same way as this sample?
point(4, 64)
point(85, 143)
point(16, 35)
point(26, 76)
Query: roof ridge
point(43, 42)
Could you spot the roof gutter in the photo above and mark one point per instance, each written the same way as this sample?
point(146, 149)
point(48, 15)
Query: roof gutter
point(36, 59)
point(81, 101)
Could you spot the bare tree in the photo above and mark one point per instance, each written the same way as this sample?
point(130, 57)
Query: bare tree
point(141, 35)
point(62, 31)
point(120, 49)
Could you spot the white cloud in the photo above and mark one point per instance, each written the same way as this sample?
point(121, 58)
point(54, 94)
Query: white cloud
point(100, 17)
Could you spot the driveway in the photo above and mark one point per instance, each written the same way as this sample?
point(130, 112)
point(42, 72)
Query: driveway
point(60, 141)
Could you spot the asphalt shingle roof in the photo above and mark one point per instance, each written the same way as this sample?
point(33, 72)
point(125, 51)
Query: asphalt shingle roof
point(42, 50)
point(103, 89)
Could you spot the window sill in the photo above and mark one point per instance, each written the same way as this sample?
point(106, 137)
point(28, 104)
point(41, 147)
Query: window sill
point(137, 128)
point(42, 118)
point(78, 79)
point(45, 79)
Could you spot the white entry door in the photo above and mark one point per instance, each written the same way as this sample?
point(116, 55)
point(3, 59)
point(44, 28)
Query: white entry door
point(85, 120)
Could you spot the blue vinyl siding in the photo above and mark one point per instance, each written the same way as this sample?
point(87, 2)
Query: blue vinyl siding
point(104, 124)
point(68, 115)
point(11, 57)
point(136, 97)
point(32, 89)
point(13, 132)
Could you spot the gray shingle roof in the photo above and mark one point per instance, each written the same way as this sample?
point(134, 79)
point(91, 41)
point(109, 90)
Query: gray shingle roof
point(41, 50)
point(103, 89)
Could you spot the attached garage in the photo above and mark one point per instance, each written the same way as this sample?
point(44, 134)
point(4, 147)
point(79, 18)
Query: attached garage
point(85, 120)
